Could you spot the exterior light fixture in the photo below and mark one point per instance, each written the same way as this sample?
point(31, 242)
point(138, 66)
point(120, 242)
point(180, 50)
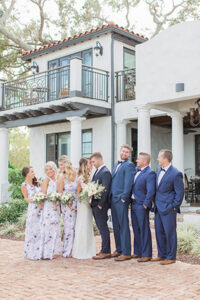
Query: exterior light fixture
point(98, 49)
point(34, 67)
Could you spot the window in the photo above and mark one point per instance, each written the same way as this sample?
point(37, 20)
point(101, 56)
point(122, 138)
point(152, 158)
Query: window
point(87, 142)
point(129, 58)
point(58, 144)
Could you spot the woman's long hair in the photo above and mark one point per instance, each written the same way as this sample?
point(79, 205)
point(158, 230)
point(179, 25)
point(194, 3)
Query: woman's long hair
point(25, 171)
point(83, 169)
point(68, 174)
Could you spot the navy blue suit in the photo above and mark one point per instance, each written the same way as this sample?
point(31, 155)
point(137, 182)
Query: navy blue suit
point(144, 189)
point(169, 196)
point(103, 177)
point(121, 187)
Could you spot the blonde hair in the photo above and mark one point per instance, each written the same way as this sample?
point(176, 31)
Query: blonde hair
point(83, 169)
point(52, 165)
point(68, 174)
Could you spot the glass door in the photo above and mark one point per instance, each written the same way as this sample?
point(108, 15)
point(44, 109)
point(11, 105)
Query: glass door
point(87, 78)
point(53, 80)
point(129, 75)
point(64, 84)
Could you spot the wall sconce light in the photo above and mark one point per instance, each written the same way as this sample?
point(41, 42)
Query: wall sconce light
point(34, 67)
point(98, 49)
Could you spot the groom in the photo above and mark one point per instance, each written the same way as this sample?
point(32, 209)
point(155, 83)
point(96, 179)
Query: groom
point(100, 207)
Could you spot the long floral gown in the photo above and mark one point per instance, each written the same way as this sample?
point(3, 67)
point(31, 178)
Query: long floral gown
point(84, 243)
point(33, 226)
point(50, 227)
point(69, 218)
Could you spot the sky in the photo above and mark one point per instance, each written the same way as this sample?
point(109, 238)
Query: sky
point(140, 16)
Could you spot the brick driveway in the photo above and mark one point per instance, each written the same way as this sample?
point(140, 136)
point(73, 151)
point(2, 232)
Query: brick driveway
point(62, 279)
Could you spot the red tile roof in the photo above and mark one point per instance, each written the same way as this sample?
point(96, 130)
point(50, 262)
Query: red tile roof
point(111, 24)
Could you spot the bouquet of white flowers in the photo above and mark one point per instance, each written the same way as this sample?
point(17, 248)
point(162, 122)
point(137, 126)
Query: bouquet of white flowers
point(39, 198)
point(67, 198)
point(92, 189)
point(54, 197)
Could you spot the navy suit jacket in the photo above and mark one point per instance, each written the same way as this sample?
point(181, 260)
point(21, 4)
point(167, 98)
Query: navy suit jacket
point(104, 178)
point(144, 187)
point(122, 181)
point(170, 191)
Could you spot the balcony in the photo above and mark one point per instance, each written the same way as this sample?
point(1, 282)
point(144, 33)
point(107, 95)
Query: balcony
point(56, 84)
point(125, 85)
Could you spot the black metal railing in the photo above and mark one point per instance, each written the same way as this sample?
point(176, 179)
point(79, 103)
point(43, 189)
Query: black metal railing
point(94, 83)
point(38, 88)
point(125, 85)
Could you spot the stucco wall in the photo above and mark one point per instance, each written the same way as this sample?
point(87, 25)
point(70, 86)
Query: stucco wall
point(101, 128)
point(170, 57)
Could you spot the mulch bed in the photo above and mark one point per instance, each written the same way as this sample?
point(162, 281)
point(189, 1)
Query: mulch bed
point(188, 259)
point(11, 237)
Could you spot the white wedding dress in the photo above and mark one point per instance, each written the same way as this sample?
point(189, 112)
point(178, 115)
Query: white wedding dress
point(84, 242)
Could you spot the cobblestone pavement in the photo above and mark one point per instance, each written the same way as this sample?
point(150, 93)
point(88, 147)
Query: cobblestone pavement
point(63, 278)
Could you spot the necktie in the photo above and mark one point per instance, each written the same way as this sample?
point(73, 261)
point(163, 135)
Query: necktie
point(163, 170)
point(95, 173)
point(120, 161)
point(138, 170)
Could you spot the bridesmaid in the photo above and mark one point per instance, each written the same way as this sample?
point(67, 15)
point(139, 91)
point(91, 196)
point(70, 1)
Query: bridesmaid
point(67, 182)
point(50, 232)
point(34, 215)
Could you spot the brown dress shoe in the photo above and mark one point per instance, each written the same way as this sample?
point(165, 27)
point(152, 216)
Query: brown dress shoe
point(167, 262)
point(157, 259)
point(135, 256)
point(123, 257)
point(144, 259)
point(102, 256)
point(115, 254)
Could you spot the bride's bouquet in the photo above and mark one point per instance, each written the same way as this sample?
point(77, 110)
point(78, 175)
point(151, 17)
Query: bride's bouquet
point(92, 189)
point(54, 197)
point(39, 199)
point(67, 198)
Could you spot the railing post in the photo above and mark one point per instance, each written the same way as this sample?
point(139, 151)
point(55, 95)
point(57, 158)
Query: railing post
point(117, 87)
point(76, 77)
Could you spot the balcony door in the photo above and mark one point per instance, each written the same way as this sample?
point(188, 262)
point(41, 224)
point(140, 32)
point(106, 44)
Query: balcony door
point(87, 74)
point(129, 75)
point(53, 79)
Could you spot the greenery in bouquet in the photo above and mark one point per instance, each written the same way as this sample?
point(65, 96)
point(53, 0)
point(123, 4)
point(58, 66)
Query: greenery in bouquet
point(67, 198)
point(39, 198)
point(54, 197)
point(92, 189)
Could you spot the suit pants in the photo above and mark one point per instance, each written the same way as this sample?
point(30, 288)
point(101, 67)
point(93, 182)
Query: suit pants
point(119, 211)
point(141, 229)
point(101, 218)
point(166, 236)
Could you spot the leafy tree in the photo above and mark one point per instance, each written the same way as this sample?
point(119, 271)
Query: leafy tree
point(19, 147)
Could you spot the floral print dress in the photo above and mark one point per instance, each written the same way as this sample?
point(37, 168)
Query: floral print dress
point(50, 226)
point(33, 226)
point(69, 218)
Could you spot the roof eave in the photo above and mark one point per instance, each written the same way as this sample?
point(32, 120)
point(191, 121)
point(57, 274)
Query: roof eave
point(83, 38)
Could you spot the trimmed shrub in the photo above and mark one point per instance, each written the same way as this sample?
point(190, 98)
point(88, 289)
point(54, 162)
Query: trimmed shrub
point(10, 212)
point(187, 235)
point(15, 179)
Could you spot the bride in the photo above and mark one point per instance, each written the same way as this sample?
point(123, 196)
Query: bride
point(84, 243)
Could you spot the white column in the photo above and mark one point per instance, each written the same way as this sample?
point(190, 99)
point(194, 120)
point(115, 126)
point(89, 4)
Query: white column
point(75, 76)
point(144, 129)
point(121, 134)
point(177, 141)
point(3, 164)
point(75, 139)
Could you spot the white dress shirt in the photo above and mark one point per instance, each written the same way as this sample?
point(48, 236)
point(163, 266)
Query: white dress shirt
point(136, 175)
point(98, 169)
point(162, 173)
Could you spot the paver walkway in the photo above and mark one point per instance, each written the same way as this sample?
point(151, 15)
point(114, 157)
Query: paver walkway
point(62, 278)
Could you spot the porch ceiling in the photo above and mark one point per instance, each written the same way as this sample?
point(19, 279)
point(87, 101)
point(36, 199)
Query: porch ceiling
point(165, 121)
point(51, 114)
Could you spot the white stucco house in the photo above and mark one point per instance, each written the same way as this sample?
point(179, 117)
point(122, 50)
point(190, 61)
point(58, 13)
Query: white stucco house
point(103, 88)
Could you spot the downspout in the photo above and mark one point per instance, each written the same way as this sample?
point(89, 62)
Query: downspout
point(112, 93)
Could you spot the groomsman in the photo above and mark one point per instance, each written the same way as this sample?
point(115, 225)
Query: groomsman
point(122, 177)
point(143, 193)
point(169, 196)
point(100, 207)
